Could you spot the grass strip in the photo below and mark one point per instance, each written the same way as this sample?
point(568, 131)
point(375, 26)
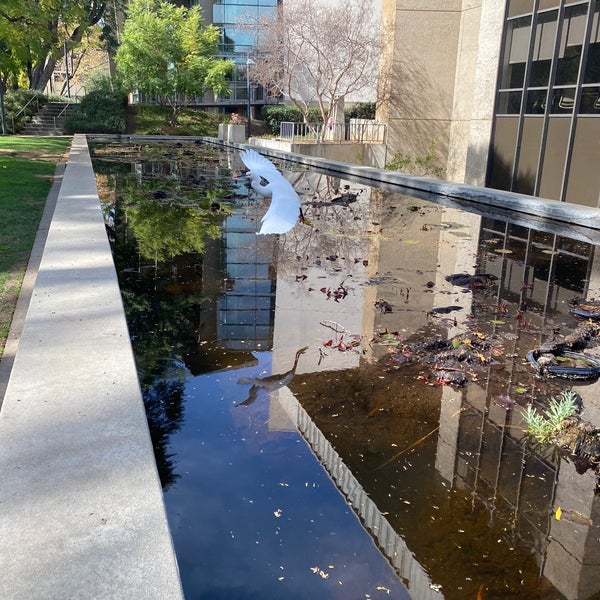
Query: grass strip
point(27, 167)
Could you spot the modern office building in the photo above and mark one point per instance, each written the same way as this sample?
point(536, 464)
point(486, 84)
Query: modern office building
point(509, 91)
point(236, 44)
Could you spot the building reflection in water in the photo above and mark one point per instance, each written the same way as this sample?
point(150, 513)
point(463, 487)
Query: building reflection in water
point(478, 449)
point(440, 476)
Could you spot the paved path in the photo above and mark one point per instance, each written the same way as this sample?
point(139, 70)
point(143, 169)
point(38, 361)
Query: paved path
point(81, 508)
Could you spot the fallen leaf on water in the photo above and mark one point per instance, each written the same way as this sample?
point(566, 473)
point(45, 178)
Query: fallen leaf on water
point(319, 572)
point(576, 517)
point(558, 513)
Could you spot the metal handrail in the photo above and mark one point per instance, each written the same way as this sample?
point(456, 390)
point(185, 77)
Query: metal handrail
point(36, 96)
point(61, 113)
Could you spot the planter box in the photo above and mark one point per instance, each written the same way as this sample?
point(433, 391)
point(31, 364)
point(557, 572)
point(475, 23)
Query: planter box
point(232, 133)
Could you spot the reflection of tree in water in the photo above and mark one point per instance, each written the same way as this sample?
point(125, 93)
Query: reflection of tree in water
point(162, 327)
point(162, 221)
point(163, 400)
point(164, 230)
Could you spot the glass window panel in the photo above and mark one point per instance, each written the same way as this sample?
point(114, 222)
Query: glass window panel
point(509, 103)
point(590, 101)
point(516, 49)
point(520, 7)
point(563, 101)
point(554, 157)
point(232, 14)
point(529, 155)
point(571, 43)
point(536, 102)
point(543, 49)
point(240, 2)
point(548, 4)
point(266, 11)
point(592, 69)
point(503, 152)
point(218, 13)
point(238, 41)
point(584, 177)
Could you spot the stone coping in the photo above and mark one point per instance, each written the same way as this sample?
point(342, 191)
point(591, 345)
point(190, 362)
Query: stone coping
point(81, 507)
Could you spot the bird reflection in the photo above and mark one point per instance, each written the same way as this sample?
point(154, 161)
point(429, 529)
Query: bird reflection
point(271, 382)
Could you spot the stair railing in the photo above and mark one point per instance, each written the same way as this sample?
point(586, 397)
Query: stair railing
point(61, 113)
point(36, 97)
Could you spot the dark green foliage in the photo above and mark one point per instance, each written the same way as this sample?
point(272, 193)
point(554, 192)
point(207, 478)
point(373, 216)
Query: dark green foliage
point(19, 106)
point(278, 113)
point(155, 120)
point(361, 110)
point(101, 111)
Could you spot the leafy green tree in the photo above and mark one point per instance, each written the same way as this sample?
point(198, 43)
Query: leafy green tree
point(166, 52)
point(34, 34)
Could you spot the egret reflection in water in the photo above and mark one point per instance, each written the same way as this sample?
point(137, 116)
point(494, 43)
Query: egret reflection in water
point(271, 382)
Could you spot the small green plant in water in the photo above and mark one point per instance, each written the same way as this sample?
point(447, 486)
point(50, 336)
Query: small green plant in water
point(545, 426)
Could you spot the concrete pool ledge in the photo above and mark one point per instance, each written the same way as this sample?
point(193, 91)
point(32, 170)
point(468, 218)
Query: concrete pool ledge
point(81, 506)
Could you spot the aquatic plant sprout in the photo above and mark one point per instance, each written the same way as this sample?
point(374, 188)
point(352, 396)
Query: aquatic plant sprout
point(545, 426)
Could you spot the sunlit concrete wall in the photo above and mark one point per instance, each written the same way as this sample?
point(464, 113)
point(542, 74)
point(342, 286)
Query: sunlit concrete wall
point(438, 79)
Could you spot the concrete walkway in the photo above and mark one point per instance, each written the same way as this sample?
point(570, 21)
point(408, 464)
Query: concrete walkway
point(81, 508)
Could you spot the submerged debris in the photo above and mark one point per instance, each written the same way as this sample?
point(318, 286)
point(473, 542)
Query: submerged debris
point(444, 310)
point(579, 441)
point(557, 358)
point(589, 309)
point(452, 362)
point(466, 280)
point(383, 306)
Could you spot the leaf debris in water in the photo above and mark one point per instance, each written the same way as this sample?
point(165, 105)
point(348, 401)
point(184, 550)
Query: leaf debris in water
point(335, 326)
point(319, 572)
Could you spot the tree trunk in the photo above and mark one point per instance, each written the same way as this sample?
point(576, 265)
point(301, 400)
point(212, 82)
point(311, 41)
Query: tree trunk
point(41, 74)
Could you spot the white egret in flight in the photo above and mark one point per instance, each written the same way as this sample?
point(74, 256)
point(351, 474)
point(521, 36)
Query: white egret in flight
point(284, 211)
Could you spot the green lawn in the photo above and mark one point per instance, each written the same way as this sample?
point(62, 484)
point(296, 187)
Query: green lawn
point(26, 169)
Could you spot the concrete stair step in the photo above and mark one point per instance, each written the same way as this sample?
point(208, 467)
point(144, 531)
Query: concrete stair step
point(50, 119)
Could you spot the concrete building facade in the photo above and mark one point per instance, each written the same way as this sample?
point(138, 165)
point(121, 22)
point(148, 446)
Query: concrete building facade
point(509, 91)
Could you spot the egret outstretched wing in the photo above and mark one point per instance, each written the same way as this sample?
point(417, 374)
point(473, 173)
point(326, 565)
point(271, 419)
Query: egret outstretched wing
point(285, 202)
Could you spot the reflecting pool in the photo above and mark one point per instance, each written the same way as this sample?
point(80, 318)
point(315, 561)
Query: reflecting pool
point(308, 442)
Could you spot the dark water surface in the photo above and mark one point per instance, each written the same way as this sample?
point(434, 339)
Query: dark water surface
point(353, 471)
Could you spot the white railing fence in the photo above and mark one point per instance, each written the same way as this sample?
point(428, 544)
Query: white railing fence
point(357, 130)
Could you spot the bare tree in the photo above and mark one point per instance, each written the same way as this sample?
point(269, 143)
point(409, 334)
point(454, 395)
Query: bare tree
point(318, 53)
